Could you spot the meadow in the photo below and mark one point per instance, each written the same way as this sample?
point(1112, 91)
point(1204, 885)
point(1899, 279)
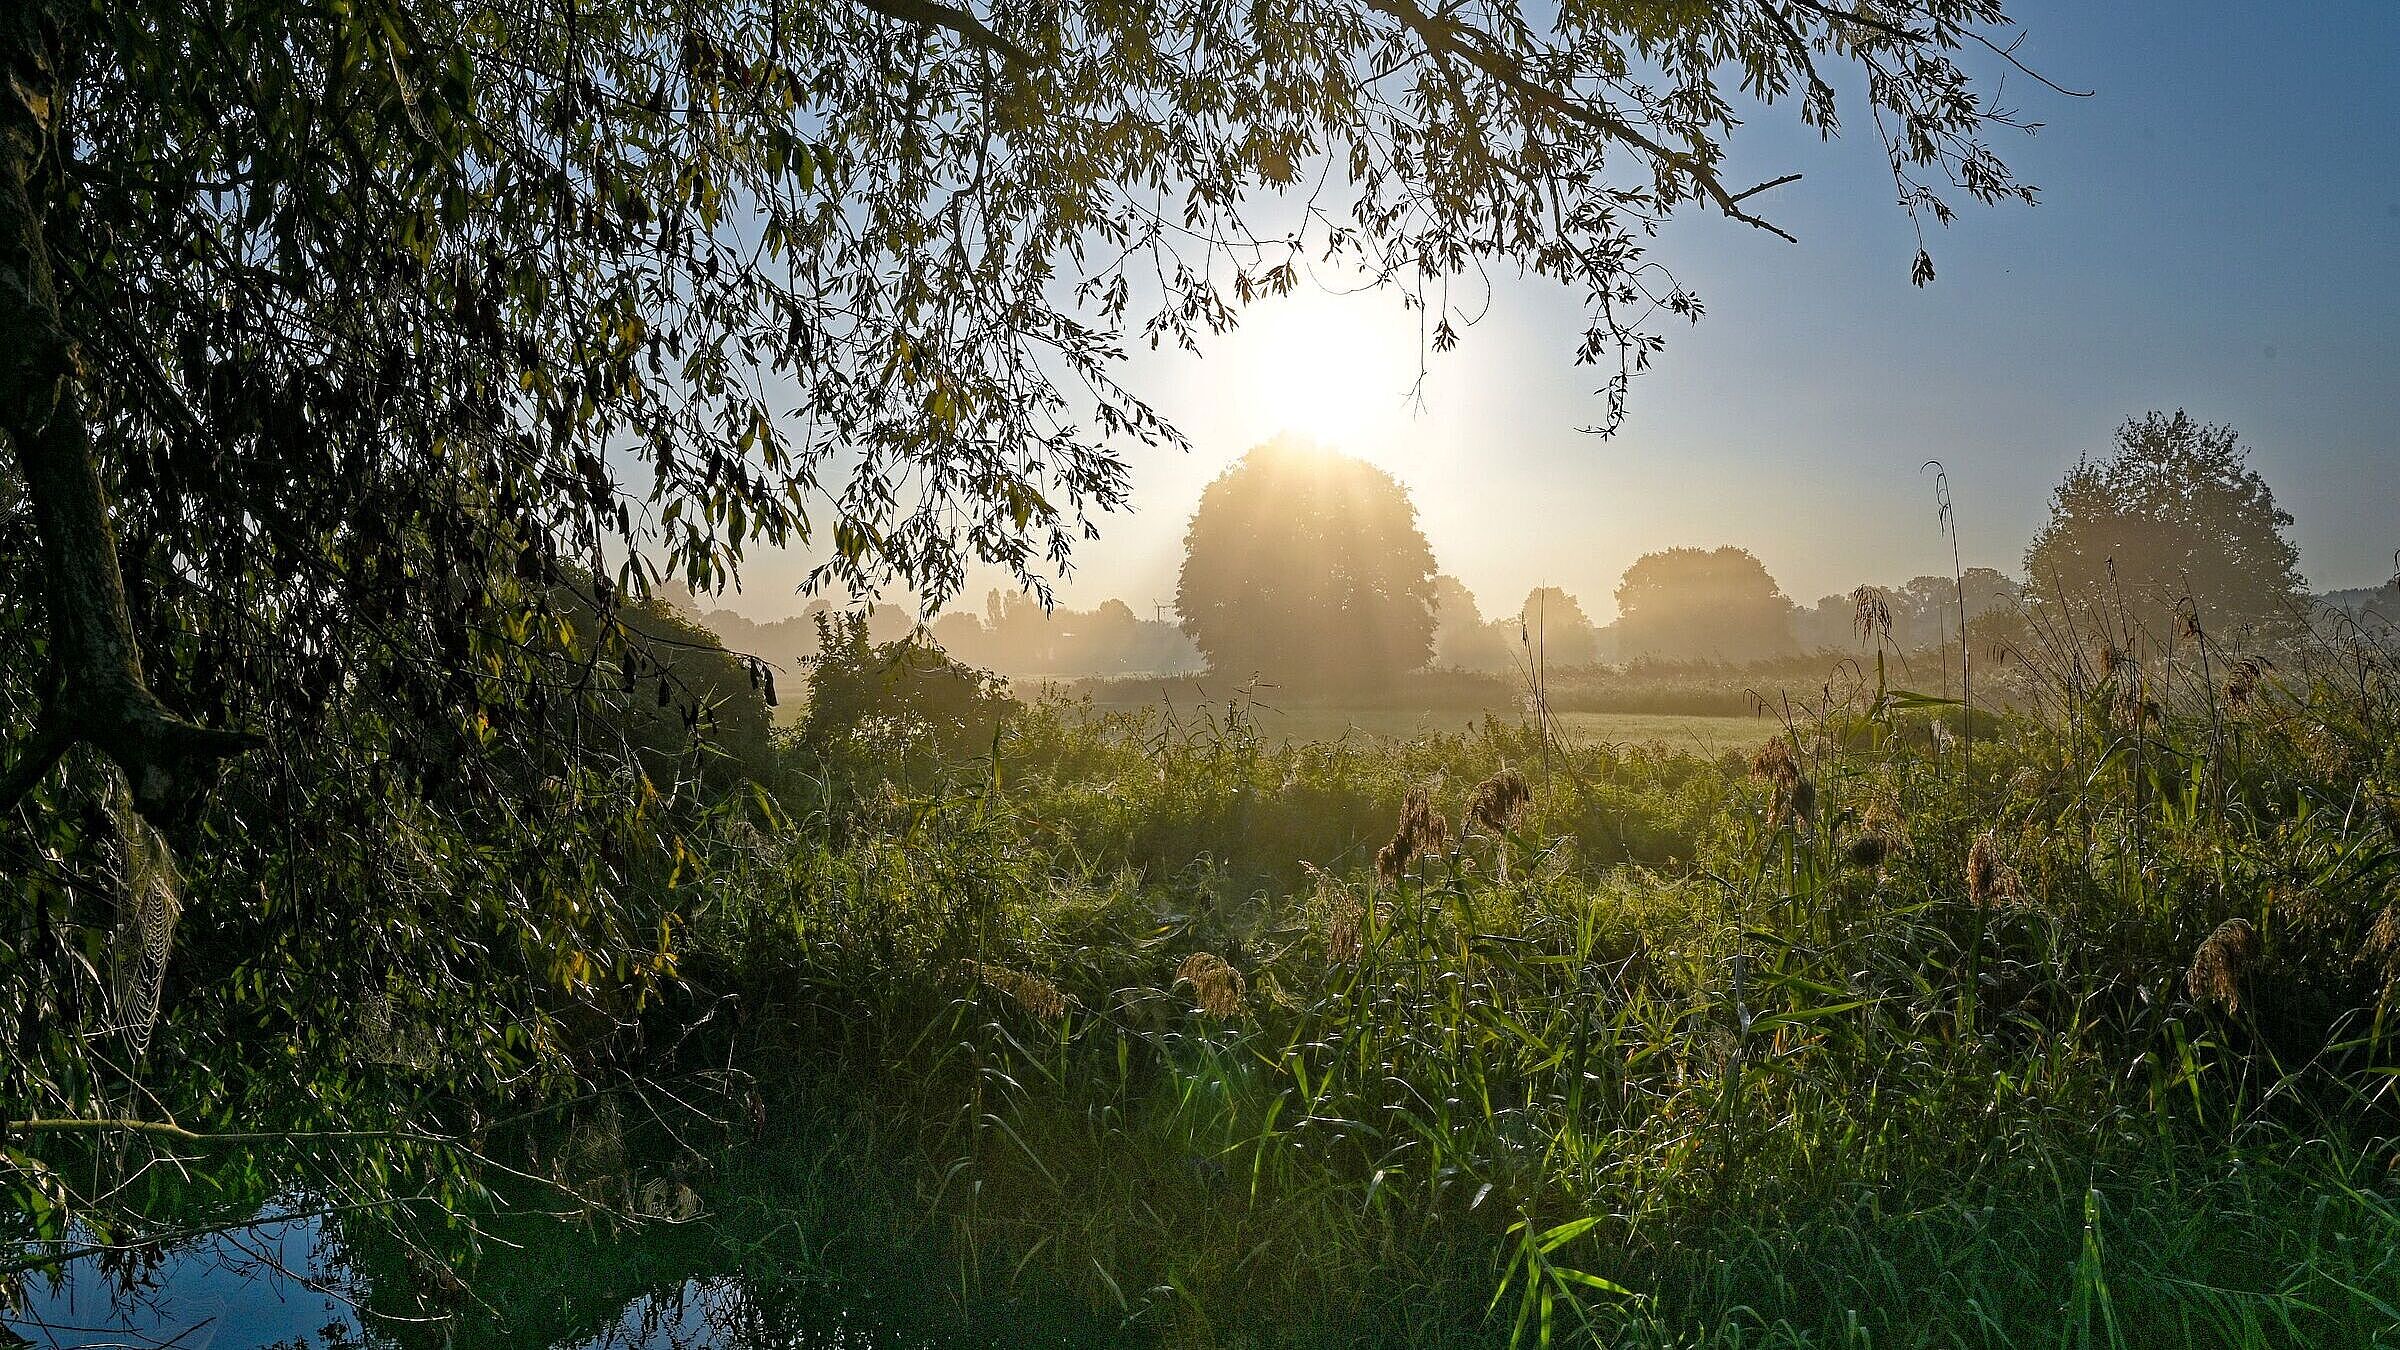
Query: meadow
point(1698, 734)
point(1002, 1023)
point(1869, 1033)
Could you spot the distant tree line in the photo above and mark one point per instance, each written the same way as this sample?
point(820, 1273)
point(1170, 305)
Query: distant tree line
point(1304, 567)
point(1014, 635)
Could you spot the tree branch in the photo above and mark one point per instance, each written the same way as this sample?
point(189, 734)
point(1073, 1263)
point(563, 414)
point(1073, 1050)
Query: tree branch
point(49, 744)
point(952, 19)
point(1444, 34)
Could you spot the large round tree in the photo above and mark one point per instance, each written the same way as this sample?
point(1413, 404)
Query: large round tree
point(1304, 567)
point(1696, 604)
point(2176, 518)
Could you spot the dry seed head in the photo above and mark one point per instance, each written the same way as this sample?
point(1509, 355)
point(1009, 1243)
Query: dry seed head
point(1774, 764)
point(1986, 880)
point(1422, 830)
point(2329, 752)
point(2382, 946)
point(1437, 834)
point(2243, 681)
point(1028, 991)
point(1874, 613)
point(1343, 941)
point(1499, 802)
point(2221, 965)
point(1216, 986)
point(2383, 935)
point(2113, 659)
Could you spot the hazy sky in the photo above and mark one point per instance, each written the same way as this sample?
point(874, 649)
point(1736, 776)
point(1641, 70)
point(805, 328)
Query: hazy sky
point(2219, 231)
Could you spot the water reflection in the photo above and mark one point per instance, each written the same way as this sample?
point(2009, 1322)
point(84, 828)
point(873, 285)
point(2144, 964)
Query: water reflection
point(272, 1286)
point(297, 1285)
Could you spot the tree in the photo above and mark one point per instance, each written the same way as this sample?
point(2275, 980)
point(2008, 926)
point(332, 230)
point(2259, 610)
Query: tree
point(1306, 568)
point(363, 305)
point(1692, 604)
point(2175, 518)
point(1461, 638)
point(1561, 633)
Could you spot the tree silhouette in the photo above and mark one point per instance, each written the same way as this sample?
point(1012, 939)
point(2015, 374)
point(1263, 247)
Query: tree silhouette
point(1461, 638)
point(2175, 519)
point(1692, 604)
point(1554, 622)
point(1306, 568)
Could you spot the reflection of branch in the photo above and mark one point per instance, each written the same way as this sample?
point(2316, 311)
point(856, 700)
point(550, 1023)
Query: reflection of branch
point(1442, 34)
point(183, 1235)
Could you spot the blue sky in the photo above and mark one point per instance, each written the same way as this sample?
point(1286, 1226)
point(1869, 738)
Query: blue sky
point(2219, 231)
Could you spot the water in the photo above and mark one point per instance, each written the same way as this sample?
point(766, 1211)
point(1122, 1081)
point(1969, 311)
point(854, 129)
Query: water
point(264, 1287)
point(295, 1285)
point(273, 1290)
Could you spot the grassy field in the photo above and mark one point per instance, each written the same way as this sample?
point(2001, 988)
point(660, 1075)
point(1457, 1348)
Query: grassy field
point(1699, 735)
point(1331, 1026)
point(1237, 1028)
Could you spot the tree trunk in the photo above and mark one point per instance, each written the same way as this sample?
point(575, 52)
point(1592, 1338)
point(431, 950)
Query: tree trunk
point(97, 695)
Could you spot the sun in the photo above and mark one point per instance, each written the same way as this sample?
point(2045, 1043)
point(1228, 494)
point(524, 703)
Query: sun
point(1339, 370)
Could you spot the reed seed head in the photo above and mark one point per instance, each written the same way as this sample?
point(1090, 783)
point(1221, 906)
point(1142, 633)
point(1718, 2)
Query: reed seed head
point(2242, 683)
point(1874, 613)
point(2220, 971)
point(1499, 802)
point(1422, 830)
point(1216, 986)
point(1987, 881)
point(1774, 764)
point(2382, 947)
point(1343, 940)
point(1030, 992)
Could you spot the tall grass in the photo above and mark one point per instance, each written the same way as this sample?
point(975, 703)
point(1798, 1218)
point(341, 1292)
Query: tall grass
point(1865, 1043)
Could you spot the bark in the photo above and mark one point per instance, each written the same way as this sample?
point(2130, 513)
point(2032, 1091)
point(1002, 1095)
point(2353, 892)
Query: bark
point(97, 695)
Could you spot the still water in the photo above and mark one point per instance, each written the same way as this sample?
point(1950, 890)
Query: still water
point(295, 1286)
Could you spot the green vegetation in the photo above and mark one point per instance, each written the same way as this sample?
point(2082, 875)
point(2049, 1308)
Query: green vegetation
point(385, 852)
point(1178, 1034)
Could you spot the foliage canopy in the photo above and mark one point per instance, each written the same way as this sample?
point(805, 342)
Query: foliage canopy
point(2174, 521)
point(357, 311)
point(1720, 604)
point(1306, 567)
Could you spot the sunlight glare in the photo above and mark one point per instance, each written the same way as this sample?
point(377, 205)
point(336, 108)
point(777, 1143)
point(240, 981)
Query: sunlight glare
point(1338, 370)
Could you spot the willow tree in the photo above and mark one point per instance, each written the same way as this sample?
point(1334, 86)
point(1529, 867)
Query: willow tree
point(335, 331)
